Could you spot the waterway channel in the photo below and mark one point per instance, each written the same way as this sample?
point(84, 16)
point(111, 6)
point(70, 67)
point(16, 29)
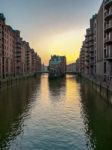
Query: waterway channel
point(62, 114)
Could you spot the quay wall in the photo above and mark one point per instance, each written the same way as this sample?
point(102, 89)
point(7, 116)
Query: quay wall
point(102, 88)
point(9, 82)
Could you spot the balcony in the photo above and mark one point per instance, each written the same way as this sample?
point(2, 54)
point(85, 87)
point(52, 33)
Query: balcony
point(92, 56)
point(108, 15)
point(108, 40)
point(18, 56)
point(89, 45)
point(18, 42)
point(18, 52)
point(108, 27)
point(18, 47)
point(90, 39)
point(89, 34)
point(108, 3)
point(108, 54)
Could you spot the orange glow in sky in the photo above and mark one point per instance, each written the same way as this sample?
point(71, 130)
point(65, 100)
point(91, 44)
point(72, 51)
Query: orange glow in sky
point(51, 26)
point(64, 43)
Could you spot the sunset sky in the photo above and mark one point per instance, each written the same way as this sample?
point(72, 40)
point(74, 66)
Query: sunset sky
point(51, 26)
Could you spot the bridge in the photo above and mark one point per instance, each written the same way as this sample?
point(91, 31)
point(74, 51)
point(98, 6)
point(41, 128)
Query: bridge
point(72, 72)
point(67, 72)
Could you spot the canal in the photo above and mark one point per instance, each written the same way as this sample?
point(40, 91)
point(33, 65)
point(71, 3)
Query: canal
point(62, 114)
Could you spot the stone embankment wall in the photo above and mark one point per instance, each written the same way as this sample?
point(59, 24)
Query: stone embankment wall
point(9, 82)
point(103, 88)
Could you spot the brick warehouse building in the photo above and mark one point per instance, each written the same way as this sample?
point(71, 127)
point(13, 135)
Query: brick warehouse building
point(16, 56)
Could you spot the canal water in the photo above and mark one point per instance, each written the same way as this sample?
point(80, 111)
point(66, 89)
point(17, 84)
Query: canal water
point(62, 114)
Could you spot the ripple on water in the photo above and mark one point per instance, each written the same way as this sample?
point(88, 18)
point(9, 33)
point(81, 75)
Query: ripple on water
point(39, 114)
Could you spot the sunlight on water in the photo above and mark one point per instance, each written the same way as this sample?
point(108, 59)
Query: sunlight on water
point(62, 114)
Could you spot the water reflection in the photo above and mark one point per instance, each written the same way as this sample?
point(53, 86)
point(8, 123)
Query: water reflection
point(63, 114)
point(97, 116)
point(56, 88)
point(14, 106)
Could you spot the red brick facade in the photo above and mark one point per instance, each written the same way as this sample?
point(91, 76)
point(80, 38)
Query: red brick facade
point(16, 56)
